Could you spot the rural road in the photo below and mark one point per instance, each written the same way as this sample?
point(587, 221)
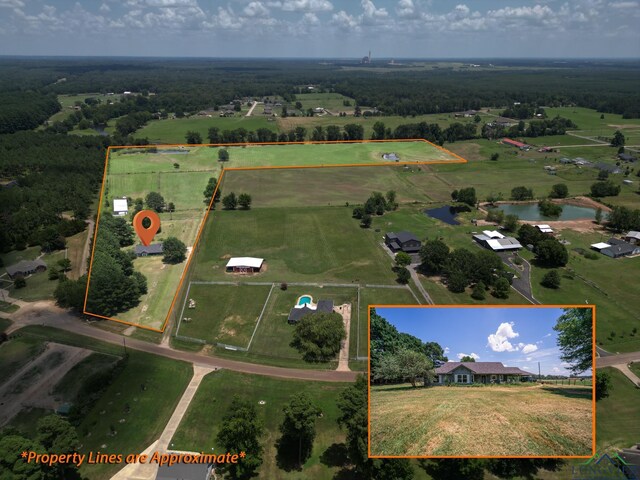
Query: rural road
point(250, 112)
point(619, 359)
point(84, 267)
point(46, 313)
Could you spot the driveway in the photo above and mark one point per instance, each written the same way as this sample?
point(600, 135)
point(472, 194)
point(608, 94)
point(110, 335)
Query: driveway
point(521, 283)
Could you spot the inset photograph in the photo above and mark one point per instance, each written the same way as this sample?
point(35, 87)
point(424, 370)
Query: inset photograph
point(490, 381)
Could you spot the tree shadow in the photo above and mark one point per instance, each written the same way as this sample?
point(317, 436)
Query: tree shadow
point(346, 474)
point(335, 455)
point(404, 387)
point(287, 454)
point(570, 392)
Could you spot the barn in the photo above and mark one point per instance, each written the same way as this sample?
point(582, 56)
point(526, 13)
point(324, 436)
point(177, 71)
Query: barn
point(244, 264)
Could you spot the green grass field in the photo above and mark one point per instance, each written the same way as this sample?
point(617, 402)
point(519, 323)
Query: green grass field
point(330, 101)
point(613, 414)
point(16, 353)
point(66, 390)
point(224, 313)
point(197, 431)
point(494, 420)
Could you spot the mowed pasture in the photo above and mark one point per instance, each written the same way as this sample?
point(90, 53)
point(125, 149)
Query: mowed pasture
point(223, 313)
point(313, 244)
point(517, 420)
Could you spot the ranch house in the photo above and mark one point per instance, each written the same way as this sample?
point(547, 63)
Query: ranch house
point(244, 265)
point(26, 267)
point(402, 241)
point(144, 251)
point(479, 372)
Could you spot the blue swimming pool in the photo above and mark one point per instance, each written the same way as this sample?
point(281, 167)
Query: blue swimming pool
point(304, 299)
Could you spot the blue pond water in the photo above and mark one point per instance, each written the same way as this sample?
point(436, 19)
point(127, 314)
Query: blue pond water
point(446, 214)
point(530, 211)
point(304, 299)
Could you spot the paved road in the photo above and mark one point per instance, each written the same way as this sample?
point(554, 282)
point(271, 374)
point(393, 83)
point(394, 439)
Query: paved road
point(619, 359)
point(416, 280)
point(629, 374)
point(48, 314)
point(521, 284)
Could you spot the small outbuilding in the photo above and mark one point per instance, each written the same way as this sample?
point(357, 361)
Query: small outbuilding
point(544, 228)
point(402, 242)
point(244, 265)
point(494, 240)
point(120, 206)
point(632, 237)
point(26, 267)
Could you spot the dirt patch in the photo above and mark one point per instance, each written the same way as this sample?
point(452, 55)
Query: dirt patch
point(468, 151)
point(624, 127)
point(226, 256)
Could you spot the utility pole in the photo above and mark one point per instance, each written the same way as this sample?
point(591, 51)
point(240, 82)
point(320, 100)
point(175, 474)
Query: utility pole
point(539, 371)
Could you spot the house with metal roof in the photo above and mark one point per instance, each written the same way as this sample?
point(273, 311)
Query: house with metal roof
point(402, 242)
point(479, 372)
point(494, 240)
point(120, 206)
point(625, 157)
point(244, 264)
point(299, 311)
point(616, 248)
point(632, 237)
point(544, 228)
point(26, 267)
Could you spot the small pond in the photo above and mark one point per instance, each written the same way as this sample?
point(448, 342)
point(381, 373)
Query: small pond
point(530, 211)
point(446, 214)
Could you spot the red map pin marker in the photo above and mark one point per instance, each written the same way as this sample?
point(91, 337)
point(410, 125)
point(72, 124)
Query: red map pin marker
point(146, 234)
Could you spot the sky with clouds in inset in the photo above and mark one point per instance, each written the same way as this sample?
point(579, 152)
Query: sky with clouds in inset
point(517, 337)
point(322, 28)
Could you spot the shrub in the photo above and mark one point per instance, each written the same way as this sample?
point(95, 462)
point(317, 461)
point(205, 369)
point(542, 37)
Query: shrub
point(551, 279)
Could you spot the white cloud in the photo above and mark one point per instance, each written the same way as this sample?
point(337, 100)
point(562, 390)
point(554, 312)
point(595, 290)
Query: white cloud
point(526, 368)
point(304, 5)
point(11, 3)
point(344, 21)
point(172, 3)
point(624, 5)
point(405, 8)
point(310, 19)
point(472, 355)
point(529, 348)
point(556, 369)
point(371, 14)
point(446, 350)
point(528, 359)
point(499, 341)
point(104, 8)
point(255, 9)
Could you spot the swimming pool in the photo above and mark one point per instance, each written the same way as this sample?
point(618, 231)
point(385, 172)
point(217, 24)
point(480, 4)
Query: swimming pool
point(305, 299)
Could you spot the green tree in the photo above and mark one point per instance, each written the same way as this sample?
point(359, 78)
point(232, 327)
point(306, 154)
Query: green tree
point(460, 468)
point(605, 189)
point(366, 220)
point(551, 279)
point(410, 365)
point(521, 193)
point(510, 222)
point(193, 138)
point(434, 255)
point(479, 290)
point(71, 293)
point(598, 217)
point(57, 435)
point(12, 467)
point(465, 195)
point(208, 191)
point(173, 251)
point(223, 155)
point(501, 288)
point(403, 259)
point(318, 337)
point(477, 118)
point(298, 427)
point(575, 329)
point(19, 282)
point(65, 264)
point(551, 253)
point(603, 384)
point(391, 200)
point(378, 131)
point(467, 358)
point(403, 275)
point(618, 139)
point(559, 190)
point(230, 202)
point(155, 201)
point(495, 156)
point(240, 431)
point(244, 200)
point(213, 135)
point(549, 209)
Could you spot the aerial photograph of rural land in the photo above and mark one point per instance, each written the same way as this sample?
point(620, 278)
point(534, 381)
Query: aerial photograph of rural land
point(319, 239)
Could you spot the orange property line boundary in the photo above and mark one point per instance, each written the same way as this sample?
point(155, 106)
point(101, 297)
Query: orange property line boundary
point(593, 382)
point(458, 158)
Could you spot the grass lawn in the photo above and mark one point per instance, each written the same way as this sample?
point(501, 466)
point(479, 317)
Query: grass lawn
point(26, 421)
point(224, 313)
point(162, 160)
point(7, 308)
point(174, 130)
point(442, 296)
point(17, 352)
point(635, 367)
point(274, 334)
point(494, 420)
point(614, 412)
point(197, 431)
point(150, 409)
point(66, 390)
point(330, 101)
point(39, 287)
point(314, 244)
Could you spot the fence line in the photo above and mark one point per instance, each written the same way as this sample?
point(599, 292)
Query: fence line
point(190, 339)
point(186, 297)
point(264, 307)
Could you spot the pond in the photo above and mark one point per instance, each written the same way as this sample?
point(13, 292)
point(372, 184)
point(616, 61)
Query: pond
point(530, 211)
point(446, 214)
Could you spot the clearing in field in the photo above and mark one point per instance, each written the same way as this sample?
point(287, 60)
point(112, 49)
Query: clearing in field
point(538, 420)
point(180, 174)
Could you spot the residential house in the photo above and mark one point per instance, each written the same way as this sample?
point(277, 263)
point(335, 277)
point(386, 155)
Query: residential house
point(479, 372)
point(402, 242)
point(494, 240)
point(26, 267)
point(146, 250)
point(625, 157)
point(616, 248)
point(606, 167)
point(299, 311)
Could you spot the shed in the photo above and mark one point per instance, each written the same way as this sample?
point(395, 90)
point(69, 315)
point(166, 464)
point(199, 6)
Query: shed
point(625, 157)
point(26, 267)
point(544, 228)
point(120, 206)
point(633, 237)
point(244, 264)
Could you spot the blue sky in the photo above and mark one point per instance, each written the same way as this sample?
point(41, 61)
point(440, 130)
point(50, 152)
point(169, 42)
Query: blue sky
point(517, 337)
point(322, 28)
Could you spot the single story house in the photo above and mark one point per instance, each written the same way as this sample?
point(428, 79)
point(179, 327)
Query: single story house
point(299, 311)
point(244, 264)
point(616, 248)
point(566, 161)
point(402, 241)
point(120, 206)
point(632, 237)
point(605, 167)
point(544, 228)
point(26, 267)
point(496, 241)
point(153, 249)
point(186, 471)
point(625, 157)
point(479, 372)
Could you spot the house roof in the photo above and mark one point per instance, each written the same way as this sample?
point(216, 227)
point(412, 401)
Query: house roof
point(493, 234)
point(184, 471)
point(544, 228)
point(154, 248)
point(482, 368)
point(621, 247)
point(600, 245)
point(626, 157)
point(499, 243)
point(402, 237)
point(25, 266)
point(607, 168)
point(120, 205)
point(323, 306)
point(245, 262)
point(633, 234)
point(515, 143)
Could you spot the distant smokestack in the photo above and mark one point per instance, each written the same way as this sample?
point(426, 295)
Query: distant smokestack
point(369, 56)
